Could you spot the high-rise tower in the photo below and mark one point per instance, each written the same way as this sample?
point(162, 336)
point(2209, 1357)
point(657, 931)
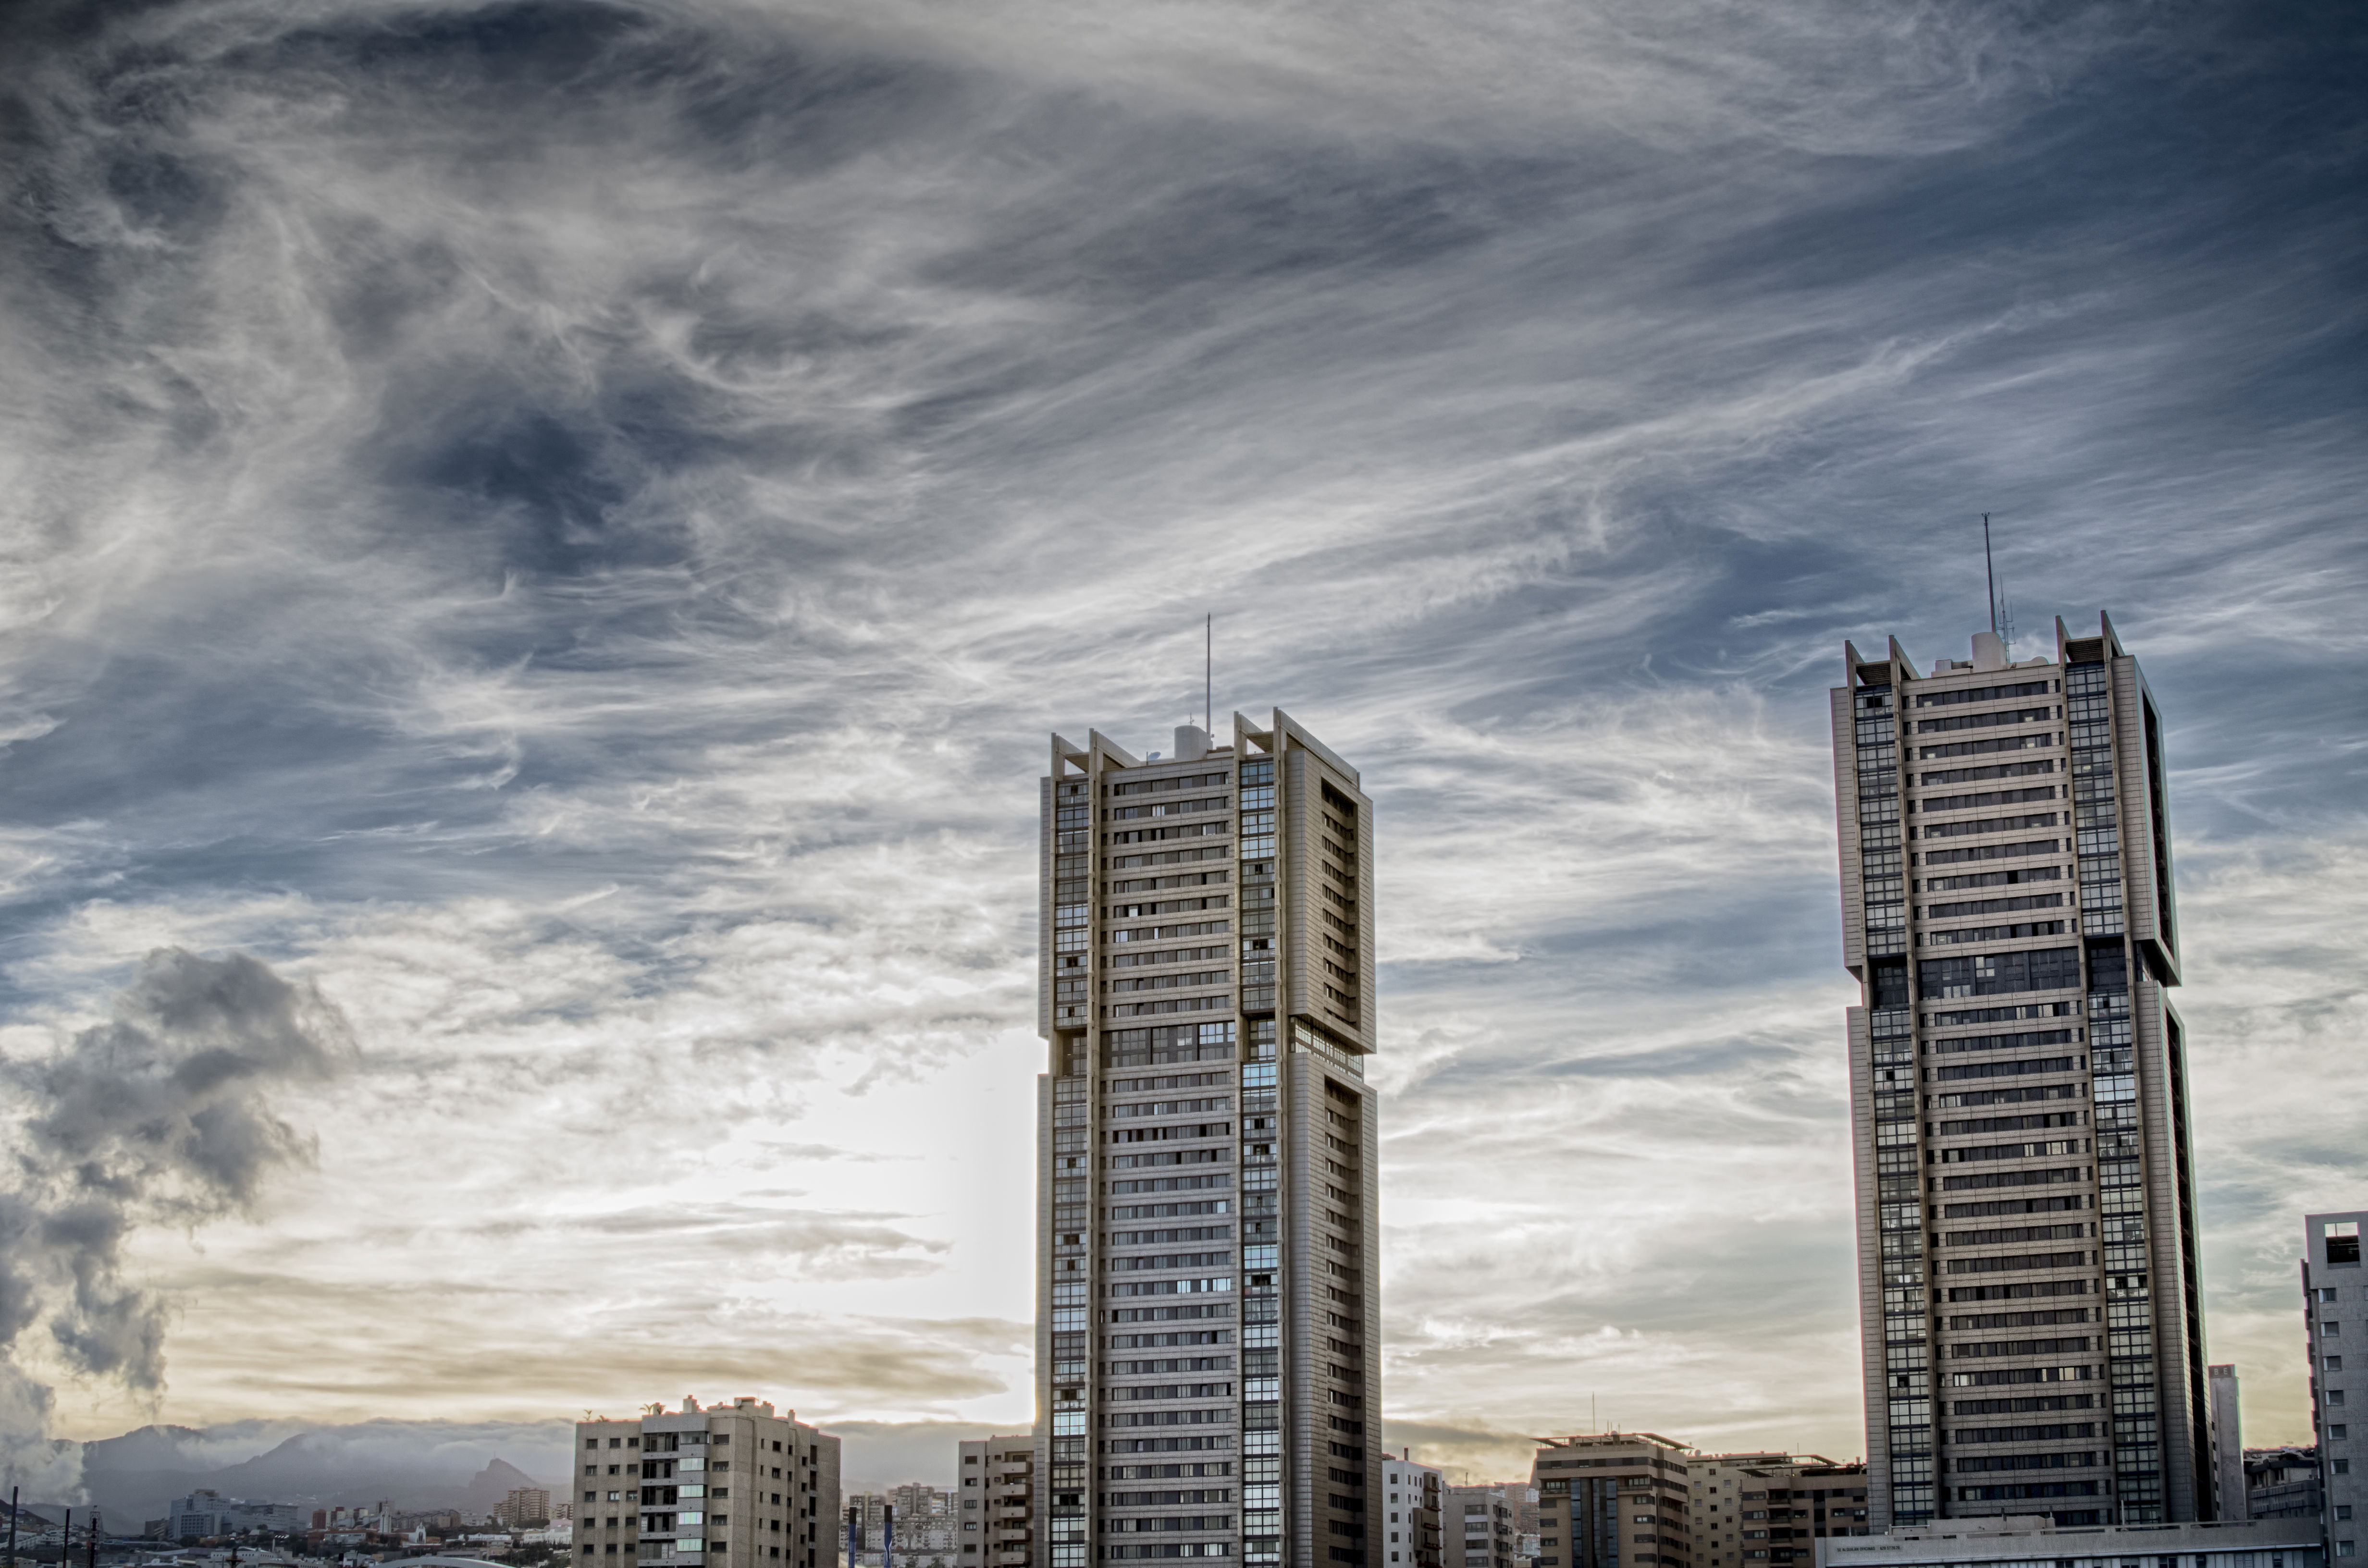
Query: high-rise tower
point(2034, 1332)
point(1206, 1325)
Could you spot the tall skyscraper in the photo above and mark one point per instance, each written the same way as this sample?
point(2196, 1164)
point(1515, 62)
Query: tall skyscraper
point(1206, 1324)
point(2034, 1332)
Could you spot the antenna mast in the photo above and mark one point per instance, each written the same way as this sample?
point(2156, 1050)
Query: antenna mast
point(1990, 572)
point(1209, 672)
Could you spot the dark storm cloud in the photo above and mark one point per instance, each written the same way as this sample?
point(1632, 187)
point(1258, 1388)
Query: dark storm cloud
point(570, 521)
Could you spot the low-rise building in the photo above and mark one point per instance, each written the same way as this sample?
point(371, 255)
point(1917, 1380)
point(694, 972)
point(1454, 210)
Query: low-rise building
point(2035, 1541)
point(733, 1486)
point(2284, 1484)
point(927, 1521)
point(1480, 1526)
point(1407, 1532)
point(1771, 1507)
point(205, 1514)
point(1612, 1500)
point(997, 1490)
point(1625, 1499)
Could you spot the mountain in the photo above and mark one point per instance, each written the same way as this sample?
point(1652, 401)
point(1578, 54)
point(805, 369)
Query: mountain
point(412, 1464)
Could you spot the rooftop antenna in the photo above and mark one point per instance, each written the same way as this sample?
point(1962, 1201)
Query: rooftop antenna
point(1990, 572)
point(1209, 672)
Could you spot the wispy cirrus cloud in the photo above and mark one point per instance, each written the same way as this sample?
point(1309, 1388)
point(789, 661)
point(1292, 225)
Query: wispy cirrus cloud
point(565, 525)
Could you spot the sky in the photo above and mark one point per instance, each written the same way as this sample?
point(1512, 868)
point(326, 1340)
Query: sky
point(544, 542)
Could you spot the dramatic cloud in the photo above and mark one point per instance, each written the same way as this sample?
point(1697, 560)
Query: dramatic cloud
point(565, 525)
point(162, 1118)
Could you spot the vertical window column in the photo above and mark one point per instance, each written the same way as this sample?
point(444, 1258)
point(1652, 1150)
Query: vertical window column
point(2088, 711)
point(1881, 863)
point(2122, 1236)
point(1072, 1296)
point(1261, 1301)
point(1256, 840)
point(1899, 1196)
point(1073, 887)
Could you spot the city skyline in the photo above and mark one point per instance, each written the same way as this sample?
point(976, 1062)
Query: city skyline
point(559, 533)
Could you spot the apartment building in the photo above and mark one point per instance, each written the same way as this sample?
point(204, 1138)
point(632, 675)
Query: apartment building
point(1612, 1500)
point(1480, 1526)
point(2335, 1302)
point(1408, 1533)
point(523, 1508)
point(998, 1500)
point(927, 1523)
point(1770, 1507)
point(1207, 1322)
point(2031, 1318)
point(732, 1486)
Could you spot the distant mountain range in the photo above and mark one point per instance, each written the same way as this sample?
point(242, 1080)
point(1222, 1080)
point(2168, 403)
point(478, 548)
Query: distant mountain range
point(414, 1465)
point(426, 1464)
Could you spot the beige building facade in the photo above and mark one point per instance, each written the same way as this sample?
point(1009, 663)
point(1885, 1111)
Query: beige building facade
point(1752, 1509)
point(2029, 1293)
point(1207, 1331)
point(1615, 1500)
point(997, 1489)
point(731, 1486)
point(1633, 1499)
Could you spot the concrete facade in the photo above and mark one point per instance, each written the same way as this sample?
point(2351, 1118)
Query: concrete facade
point(2032, 1542)
point(1752, 1509)
point(1481, 1526)
point(998, 1489)
point(734, 1486)
point(2284, 1483)
point(1407, 1532)
point(2227, 1415)
point(1206, 1325)
point(2030, 1311)
point(1613, 1500)
point(2335, 1312)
